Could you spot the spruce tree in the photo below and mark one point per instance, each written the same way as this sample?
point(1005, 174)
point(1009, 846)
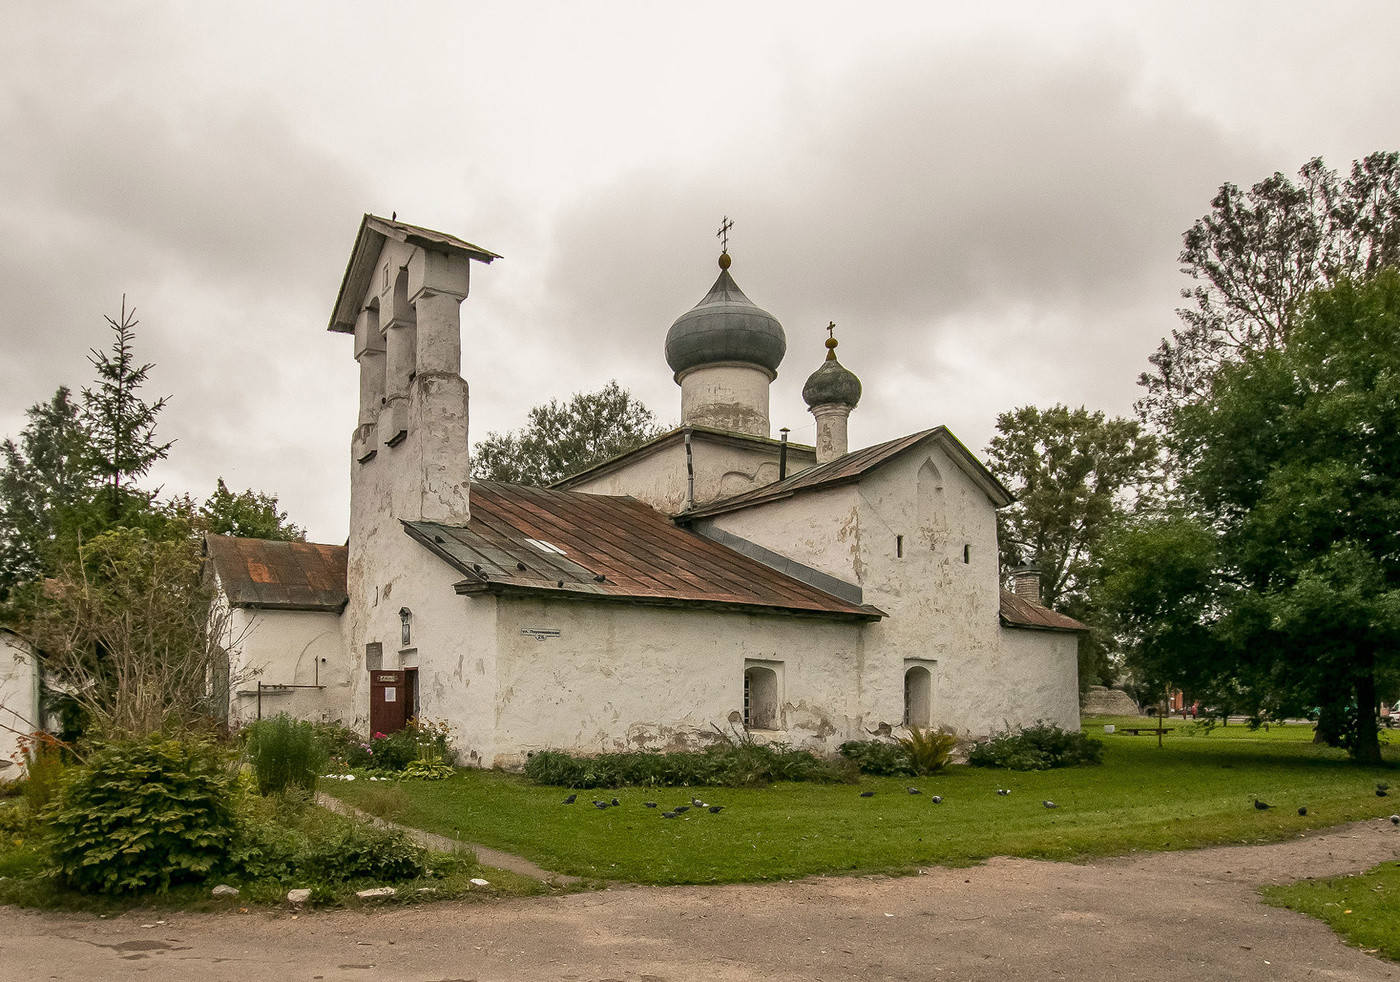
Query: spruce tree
point(121, 425)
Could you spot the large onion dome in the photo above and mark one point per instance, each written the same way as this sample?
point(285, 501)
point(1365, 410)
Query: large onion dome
point(725, 326)
point(832, 383)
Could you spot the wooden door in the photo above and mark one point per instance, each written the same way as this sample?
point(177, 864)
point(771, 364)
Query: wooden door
point(387, 705)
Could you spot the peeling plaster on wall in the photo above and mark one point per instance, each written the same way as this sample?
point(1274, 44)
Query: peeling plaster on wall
point(688, 664)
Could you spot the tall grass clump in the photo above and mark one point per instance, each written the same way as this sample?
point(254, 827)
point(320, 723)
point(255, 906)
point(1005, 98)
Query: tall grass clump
point(285, 753)
point(929, 750)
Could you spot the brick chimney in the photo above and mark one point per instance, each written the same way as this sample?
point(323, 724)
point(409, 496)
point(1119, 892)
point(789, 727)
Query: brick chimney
point(1025, 583)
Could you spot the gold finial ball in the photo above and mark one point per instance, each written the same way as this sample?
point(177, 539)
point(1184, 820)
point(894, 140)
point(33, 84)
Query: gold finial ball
point(724, 260)
point(831, 342)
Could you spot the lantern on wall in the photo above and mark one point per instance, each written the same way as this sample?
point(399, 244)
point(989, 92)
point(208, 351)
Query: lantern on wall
point(405, 626)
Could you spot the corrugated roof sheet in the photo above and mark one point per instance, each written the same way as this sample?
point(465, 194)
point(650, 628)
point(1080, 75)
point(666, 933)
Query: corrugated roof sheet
point(1018, 612)
point(608, 548)
point(854, 465)
point(279, 575)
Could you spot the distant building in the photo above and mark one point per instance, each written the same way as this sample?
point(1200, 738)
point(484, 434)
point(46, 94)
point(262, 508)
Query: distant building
point(19, 701)
point(714, 579)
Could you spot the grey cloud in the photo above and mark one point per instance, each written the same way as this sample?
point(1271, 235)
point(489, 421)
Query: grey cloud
point(1010, 196)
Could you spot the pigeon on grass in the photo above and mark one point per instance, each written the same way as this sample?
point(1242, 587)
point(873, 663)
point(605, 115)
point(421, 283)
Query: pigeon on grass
point(867, 794)
point(937, 799)
point(1261, 806)
point(571, 799)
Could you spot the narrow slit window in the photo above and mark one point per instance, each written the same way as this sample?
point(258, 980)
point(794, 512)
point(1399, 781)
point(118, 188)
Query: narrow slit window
point(899, 547)
point(967, 553)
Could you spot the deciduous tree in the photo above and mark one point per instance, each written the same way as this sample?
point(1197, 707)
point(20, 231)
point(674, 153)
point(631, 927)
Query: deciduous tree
point(1254, 259)
point(1073, 473)
point(1275, 584)
point(564, 438)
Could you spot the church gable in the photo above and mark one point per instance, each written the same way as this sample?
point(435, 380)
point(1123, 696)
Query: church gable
point(852, 467)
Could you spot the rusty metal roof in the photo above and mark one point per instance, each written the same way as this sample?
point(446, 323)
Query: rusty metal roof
point(851, 467)
point(273, 575)
point(603, 547)
point(1019, 612)
point(368, 243)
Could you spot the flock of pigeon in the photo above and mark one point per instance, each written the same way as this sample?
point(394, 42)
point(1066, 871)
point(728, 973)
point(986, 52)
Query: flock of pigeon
point(676, 812)
point(1382, 791)
point(937, 799)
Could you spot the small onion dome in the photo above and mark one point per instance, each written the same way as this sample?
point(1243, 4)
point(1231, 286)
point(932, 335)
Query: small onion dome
point(831, 383)
point(725, 326)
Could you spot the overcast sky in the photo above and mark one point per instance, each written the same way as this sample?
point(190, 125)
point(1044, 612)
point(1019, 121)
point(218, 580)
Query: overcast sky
point(987, 199)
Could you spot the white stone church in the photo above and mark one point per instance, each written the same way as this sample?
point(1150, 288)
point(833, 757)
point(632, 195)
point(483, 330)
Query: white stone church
point(712, 580)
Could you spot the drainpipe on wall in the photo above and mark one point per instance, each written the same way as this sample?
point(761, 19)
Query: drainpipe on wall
point(782, 455)
point(689, 475)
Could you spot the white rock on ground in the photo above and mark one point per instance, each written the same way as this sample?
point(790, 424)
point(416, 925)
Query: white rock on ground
point(477, 882)
point(224, 890)
point(376, 892)
point(298, 896)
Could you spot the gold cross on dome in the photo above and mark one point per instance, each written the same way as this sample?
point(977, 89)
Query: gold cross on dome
point(831, 330)
point(724, 226)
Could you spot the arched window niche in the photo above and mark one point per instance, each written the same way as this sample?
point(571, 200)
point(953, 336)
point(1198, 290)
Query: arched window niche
point(761, 696)
point(918, 694)
point(929, 495)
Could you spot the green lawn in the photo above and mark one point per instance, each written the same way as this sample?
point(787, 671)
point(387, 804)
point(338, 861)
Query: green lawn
point(1364, 909)
point(1196, 790)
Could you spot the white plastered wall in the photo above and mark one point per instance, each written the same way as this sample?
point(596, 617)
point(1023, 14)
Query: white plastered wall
point(902, 534)
point(722, 470)
point(452, 641)
point(288, 648)
point(19, 702)
point(625, 677)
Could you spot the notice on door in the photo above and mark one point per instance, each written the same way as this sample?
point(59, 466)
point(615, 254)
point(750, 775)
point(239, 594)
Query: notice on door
point(390, 693)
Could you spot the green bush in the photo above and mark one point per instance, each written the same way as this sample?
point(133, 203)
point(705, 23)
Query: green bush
point(1036, 748)
point(142, 816)
point(878, 757)
point(929, 750)
point(358, 851)
point(285, 753)
point(731, 764)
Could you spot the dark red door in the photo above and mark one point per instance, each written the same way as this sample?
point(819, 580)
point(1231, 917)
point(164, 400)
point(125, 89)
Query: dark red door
point(387, 703)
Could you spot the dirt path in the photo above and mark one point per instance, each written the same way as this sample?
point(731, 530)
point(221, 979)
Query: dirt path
point(1167, 916)
point(484, 854)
